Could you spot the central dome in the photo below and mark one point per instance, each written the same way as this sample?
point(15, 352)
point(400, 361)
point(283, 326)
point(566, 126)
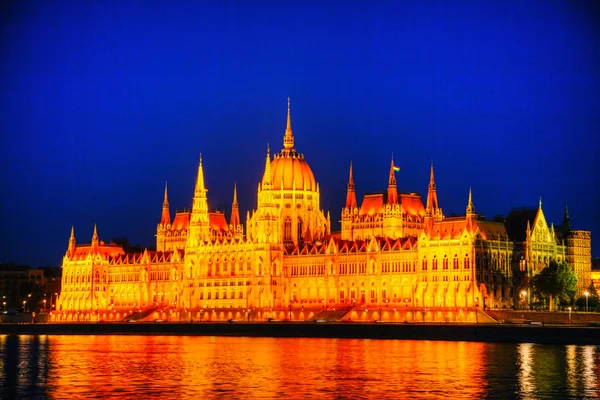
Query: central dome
point(291, 171)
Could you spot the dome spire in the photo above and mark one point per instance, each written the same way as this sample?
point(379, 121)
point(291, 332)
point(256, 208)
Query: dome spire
point(288, 139)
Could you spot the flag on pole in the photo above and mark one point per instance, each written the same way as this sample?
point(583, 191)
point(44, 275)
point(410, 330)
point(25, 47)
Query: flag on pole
point(396, 169)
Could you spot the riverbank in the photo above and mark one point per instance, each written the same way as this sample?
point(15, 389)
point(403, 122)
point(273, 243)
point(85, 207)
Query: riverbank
point(452, 332)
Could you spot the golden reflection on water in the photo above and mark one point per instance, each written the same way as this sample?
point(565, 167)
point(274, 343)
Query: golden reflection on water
point(231, 367)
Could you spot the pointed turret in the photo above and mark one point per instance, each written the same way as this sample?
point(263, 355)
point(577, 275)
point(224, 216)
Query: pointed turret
point(392, 191)
point(235, 213)
point(71, 248)
point(288, 139)
point(351, 194)
point(165, 219)
point(95, 240)
point(470, 206)
point(432, 201)
point(200, 189)
point(199, 227)
point(267, 176)
point(471, 215)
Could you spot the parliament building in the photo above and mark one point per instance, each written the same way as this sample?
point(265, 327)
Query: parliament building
point(396, 257)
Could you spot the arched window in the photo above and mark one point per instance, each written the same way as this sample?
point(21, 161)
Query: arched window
point(445, 262)
point(467, 262)
point(287, 230)
point(434, 264)
point(300, 232)
point(456, 261)
point(424, 266)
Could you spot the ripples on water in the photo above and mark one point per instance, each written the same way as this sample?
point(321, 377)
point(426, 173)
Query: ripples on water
point(229, 367)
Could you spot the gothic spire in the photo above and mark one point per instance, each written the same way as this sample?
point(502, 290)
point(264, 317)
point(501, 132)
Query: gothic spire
point(235, 213)
point(288, 139)
point(165, 219)
point(392, 191)
point(71, 247)
point(199, 228)
point(432, 201)
point(267, 177)
point(351, 194)
point(200, 189)
point(470, 206)
point(95, 240)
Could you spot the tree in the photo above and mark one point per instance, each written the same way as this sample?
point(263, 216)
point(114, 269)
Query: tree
point(557, 280)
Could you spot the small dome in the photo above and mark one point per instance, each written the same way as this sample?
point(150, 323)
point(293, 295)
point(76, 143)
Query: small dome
point(291, 167)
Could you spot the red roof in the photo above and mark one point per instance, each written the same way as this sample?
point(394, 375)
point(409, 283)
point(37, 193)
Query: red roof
point(181, 221)
point(217, 221)
point(372, 204)
point(412, 204)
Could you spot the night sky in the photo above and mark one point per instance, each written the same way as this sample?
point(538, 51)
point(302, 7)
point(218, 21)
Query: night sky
point(102, 102)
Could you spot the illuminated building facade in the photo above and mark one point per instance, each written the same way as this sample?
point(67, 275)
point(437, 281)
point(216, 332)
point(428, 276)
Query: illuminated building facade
point(392, 251)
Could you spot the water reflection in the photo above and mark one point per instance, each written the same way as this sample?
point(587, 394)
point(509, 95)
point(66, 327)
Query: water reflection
point(194, 367)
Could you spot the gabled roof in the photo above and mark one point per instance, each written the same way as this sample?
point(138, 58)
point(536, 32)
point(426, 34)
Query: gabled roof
point(516, 222)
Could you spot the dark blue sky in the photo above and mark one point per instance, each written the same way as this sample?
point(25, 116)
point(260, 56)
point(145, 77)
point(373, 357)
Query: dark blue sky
point(102, 102)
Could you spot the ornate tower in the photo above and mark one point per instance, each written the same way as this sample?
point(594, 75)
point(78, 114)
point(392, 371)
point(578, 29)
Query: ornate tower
point(471, 215)
point(95, 241)
point(392, 191)
point(433, 212)
point(234, 222)
point(164, 224)
point(72, 245)
point(289, 196)
point(350, 209)
point(392, 217)
point(199, 229)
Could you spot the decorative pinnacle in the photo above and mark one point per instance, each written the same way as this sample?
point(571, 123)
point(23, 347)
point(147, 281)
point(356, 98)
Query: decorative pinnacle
point(288, 139)
point(200, 158)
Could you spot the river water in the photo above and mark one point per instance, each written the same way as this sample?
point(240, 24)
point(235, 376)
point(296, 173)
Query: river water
point(194, 367)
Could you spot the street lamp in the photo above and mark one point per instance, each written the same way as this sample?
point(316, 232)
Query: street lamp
point(44, 304)
point(586, 293)
point(24, 306)
point(524, 293)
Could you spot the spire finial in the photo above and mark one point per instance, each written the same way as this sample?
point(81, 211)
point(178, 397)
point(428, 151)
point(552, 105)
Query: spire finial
point(351, 179)
point(95, 236)
point(392, 180)
point(72, 231)
point(540, 201)
point(165, 218)
point(431, 180)
point(200, 158)
point(288, 139)
point(470, 206)
point(235, 213)
point(267, 178)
